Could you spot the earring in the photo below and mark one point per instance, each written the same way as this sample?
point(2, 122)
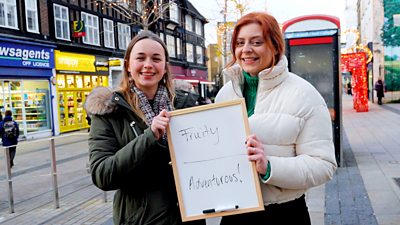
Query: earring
point(164, 79)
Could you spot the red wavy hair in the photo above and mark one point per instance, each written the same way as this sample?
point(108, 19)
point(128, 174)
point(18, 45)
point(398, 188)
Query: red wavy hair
point(271, 31)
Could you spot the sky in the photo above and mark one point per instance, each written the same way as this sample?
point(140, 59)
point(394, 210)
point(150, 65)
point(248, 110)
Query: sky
point(282, 10)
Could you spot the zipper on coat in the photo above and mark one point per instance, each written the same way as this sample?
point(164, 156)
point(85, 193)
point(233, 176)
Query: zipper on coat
point(133, 128)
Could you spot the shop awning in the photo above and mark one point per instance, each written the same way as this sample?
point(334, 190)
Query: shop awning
point(194, 80)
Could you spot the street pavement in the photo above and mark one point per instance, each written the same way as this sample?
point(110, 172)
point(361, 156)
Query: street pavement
point(365, 190)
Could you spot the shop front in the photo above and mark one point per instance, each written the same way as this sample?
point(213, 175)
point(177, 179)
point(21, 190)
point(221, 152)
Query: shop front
point(198, 78)
point(25, 89)
point(77, 75)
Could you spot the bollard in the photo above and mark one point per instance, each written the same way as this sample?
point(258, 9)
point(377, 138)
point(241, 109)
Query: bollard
point(9, 180)
point(105, 196)
point(54, 173)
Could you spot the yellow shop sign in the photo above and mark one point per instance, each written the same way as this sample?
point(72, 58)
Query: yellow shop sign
point(75, 62)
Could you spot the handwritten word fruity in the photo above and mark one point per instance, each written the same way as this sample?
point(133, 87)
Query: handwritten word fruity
point(193, 134)
point(215, 180)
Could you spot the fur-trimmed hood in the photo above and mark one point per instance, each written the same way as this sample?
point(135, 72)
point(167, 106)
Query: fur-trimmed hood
point(100, 101)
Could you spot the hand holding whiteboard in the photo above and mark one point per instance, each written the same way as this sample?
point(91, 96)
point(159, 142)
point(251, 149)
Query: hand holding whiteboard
point(212, 172)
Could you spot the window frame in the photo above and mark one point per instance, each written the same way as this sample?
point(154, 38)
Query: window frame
point(63, 21)
point(92, 31)
point(178, 48)
point(6, 8)
point(171, 45)
point(188, 22)
point(139, 6)
point(123, 34)
point(199, 57)
point(191, 59)
point(109, 37)
point(173, 11)
point(32, 8)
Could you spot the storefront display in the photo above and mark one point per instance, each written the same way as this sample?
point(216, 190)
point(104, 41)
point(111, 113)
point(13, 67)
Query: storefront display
point(26, 69)
point(77, 75)
point(29, 102)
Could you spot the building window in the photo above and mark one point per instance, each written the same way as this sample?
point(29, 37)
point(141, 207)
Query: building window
point(198, 27)
point(162, 36)
point(188, 24)
point(171, 45)
point(61, 22)
point(173, 11)
point(108, 27)
point(124, 36)
point(92, 29)
point(31, 11)
point(189, 52)
point(8, 14)
point(199, 55)
point(179, 48)
point(139, 6)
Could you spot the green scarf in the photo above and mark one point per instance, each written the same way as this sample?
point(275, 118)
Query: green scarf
point(250, 92)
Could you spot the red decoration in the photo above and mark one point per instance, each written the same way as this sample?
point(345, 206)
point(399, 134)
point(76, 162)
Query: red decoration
point(356, 64)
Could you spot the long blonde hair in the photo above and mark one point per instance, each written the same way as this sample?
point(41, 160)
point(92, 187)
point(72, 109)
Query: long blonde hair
point(126, 81)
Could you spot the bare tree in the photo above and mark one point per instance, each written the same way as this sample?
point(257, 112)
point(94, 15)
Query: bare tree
point(143, 12)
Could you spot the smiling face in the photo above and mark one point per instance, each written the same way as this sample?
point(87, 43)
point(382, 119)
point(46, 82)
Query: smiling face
point(252, 52)
point(147, 64)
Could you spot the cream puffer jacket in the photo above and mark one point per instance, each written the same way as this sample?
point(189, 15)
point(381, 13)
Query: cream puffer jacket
point(292, 121)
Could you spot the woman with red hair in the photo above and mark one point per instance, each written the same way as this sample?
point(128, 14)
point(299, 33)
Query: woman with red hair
point(291, 134)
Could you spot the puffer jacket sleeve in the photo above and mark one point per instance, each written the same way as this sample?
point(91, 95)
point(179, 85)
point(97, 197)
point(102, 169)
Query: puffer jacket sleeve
point(315, 162)
point(111, 166)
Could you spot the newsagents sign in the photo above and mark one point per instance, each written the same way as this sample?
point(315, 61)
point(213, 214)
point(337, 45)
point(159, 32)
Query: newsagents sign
point(28, 56)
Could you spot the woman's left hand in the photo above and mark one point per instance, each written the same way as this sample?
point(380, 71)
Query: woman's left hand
point(255, 151)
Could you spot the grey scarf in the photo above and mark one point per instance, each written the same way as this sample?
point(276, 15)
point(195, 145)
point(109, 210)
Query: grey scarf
point(161, 101)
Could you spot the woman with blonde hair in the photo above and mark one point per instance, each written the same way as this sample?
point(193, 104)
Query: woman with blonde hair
point(128, 144)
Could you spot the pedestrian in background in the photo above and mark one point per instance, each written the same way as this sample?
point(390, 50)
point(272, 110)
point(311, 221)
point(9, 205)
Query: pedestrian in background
point(349, 88)
point(9, 132)
point(379, 90)
point(185, 97)
point(291, 132)
point(127, 142)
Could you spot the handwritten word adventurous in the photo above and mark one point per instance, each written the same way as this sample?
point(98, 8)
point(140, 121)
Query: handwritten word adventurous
point(214, 181)
point(193, 134)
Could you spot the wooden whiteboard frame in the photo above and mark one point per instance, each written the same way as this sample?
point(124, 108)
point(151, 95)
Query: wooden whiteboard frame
point(257, 207)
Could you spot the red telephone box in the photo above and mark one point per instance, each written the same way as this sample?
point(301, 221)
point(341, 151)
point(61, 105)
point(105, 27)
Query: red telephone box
point(313, 52)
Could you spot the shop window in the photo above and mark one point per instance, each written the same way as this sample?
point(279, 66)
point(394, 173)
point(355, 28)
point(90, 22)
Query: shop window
point(29, 102)
point(95, 81)
point(79, 81)
point(87, 82)
point(61, 81)
point(70, 81)
point(103, 81)
point(70, 108)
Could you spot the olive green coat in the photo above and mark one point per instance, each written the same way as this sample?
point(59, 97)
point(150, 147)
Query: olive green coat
point(125, 156)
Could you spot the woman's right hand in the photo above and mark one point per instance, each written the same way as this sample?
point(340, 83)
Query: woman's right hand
point(160, 123)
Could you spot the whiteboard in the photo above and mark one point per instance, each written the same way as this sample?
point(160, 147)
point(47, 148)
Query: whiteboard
point(210, 162)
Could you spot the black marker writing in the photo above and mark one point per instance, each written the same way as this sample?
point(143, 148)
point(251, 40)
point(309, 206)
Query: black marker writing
point(192, 134)
point(215, 180)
